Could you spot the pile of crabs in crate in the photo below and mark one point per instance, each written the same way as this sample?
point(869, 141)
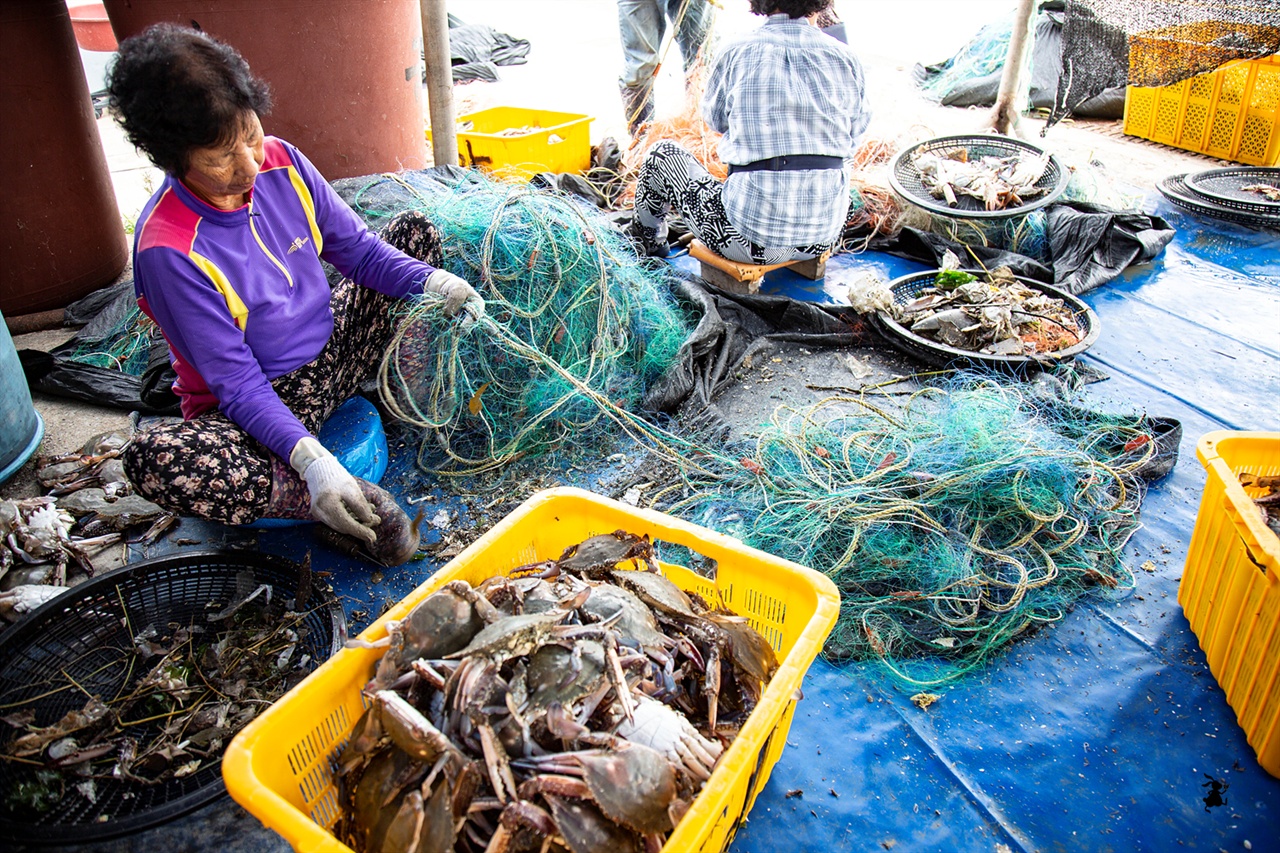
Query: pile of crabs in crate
point(570, 706)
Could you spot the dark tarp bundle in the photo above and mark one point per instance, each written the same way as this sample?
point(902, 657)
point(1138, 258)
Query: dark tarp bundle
point(60, 374)
point(1089, 245)
point(477, 50)
point(1110, 43)
point(1046, 67)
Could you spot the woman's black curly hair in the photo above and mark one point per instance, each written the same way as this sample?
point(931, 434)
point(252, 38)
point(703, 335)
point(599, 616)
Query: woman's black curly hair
point(176, 89)
point(793, 8)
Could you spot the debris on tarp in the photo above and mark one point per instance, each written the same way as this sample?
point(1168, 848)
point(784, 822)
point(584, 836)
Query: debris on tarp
point(924, 700)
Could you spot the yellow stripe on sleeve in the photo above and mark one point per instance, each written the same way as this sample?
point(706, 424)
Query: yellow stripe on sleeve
point(239, 311)
point(308, 205)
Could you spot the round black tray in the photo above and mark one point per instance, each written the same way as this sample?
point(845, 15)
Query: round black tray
point(932, 352)
point(905, 177)
point(86, 634)
point(1175, 189)
point(1224, 186)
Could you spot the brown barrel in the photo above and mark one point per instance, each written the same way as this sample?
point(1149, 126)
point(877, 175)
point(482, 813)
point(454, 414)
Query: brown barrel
point(345, 76)
point(60, 230)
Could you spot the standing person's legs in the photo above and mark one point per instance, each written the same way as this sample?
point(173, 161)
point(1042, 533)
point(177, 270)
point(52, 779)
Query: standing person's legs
point(211, 468)
point(691, 27)
point(641, 27)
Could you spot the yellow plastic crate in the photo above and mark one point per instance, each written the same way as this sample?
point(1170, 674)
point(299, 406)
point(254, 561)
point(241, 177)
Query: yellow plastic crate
point(280, 766)
point(1230, 588)
point(1232, 113)
point(546, 142)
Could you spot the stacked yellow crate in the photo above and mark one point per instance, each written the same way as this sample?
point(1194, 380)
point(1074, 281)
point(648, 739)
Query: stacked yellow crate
point(1232, 113)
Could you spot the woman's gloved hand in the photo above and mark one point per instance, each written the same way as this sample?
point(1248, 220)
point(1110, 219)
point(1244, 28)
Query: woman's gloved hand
point(458, 295)
point(336, 498)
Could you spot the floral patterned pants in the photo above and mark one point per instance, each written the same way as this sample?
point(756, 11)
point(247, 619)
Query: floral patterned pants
point(211, 468)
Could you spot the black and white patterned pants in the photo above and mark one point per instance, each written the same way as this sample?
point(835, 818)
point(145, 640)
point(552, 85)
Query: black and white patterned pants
point(211, 468)
point(673, 179)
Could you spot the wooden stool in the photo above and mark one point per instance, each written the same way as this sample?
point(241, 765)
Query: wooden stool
point(738, 277)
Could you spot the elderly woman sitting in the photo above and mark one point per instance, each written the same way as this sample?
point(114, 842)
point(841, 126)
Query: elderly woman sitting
point(790, 102)
point(227, 261)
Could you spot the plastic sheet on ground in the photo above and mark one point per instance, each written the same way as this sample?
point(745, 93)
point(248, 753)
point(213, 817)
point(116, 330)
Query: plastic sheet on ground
point(1096, 733)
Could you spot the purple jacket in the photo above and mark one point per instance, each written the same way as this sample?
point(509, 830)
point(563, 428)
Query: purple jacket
point(241, 296)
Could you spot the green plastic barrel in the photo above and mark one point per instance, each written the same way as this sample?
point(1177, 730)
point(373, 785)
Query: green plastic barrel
point(20, 425)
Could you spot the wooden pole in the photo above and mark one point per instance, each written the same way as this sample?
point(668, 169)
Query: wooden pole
point(1005, 117)
point(435, 44)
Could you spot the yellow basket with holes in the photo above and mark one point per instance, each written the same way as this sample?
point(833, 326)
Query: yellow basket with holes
point(280, 766)
point(1232, 113)
point(518, 143)
point(1230, 588)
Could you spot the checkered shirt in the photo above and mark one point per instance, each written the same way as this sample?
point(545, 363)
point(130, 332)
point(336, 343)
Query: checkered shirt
point(786, 89)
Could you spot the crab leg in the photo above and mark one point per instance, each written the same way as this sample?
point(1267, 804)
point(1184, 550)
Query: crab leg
point(429, 674)
point(711, 688)
point(429, 782)
point(695, 759)
point(497, 763)
point(500, 841)
point(619, 679)
point(591, 702)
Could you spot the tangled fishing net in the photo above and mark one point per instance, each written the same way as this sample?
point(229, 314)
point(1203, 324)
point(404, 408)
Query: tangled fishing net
point(974, 514)
point(978, 511)
point(577, 328)
point(119, 341)
point(984, 54)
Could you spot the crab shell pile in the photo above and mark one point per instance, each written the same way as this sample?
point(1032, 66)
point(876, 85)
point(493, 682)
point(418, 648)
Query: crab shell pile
point(998, 182)
point(52, 542)
point(1000, 316)
point(572, 706)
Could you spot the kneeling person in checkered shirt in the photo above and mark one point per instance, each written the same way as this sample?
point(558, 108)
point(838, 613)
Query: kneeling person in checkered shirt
point(790, 102)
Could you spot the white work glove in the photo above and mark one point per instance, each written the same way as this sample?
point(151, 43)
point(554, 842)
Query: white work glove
point(336, 499)
point(456, 292)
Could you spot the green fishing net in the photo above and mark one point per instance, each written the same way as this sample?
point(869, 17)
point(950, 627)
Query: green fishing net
point(973, 514)
point(576, 325)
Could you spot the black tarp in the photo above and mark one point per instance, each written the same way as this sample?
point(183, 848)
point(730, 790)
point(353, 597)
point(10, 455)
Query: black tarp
point(1089, 245)
point(103, 313)
point(1045, 68)
point(476, 50)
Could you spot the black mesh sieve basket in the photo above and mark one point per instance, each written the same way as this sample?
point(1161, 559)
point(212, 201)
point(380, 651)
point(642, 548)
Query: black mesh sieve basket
point(1227, 187)
point(938, 354)
point(1176, 190)
point(906, 181)
point(85, 637)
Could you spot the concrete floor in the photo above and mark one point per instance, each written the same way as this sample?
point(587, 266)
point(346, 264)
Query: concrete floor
point(573, 67)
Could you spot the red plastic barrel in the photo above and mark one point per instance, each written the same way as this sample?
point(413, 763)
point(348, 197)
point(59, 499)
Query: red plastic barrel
point(61, 236)
point(346, 77)
point(91, 25)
